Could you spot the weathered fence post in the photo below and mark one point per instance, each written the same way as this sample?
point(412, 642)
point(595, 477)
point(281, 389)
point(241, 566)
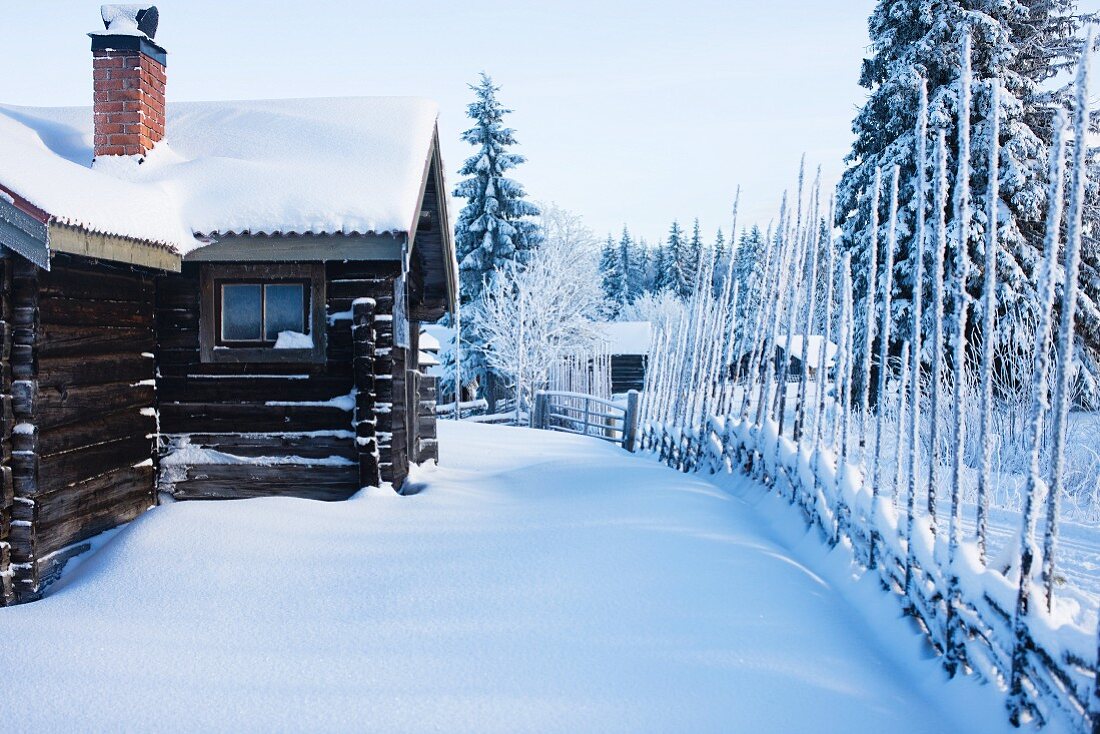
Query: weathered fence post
point(630, 420)
point(366, 429)
point(538, 415)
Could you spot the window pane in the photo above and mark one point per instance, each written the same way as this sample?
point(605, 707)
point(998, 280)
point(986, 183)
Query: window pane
point(285, 309)
point(241, 317)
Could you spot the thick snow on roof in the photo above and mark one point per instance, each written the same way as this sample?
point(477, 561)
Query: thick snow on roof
point(814, 342)
point(304, 166)
point(428, 342)
point(627, 337)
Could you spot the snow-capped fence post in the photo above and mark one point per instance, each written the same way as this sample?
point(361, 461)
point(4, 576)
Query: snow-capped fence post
point(1040, 405)
point(630, 424)
point(1066, 334)
point(1096, 687)
point(937, 323)
point(869, 318)
point(954, 653)
point(366, 433)
point(884, 354)
point(915, 334)
point(989, 316)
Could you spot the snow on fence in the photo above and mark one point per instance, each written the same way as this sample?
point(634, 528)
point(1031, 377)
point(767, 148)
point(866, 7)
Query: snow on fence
point(882, 468)
point(588, 415)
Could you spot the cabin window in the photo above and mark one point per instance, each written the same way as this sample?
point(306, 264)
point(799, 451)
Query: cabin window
point(259, 312)
point(262, 312)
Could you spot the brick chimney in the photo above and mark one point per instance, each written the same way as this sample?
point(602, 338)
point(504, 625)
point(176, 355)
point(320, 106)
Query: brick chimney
point(128, 70)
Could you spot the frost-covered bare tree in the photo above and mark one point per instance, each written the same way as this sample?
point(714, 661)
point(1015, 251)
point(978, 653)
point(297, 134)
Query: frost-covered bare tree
point(531, 316)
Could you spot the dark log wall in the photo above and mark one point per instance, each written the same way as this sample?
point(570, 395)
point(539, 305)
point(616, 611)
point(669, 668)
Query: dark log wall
point(225, 407)
point(627, 372)
point(83, 402)
point(7, 494)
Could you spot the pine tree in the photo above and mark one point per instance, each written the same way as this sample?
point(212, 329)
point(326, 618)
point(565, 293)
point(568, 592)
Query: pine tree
point(677, 272)
point(1018, 45)
point(640, 281)
point(749, 272)
point(691, 262)
point(611, 276)
point(494, 227)
point(625, 252)
point(720, 260)
point(663, 278)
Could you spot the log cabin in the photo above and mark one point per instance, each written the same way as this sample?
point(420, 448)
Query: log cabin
point(628, 343)
point(207, 300)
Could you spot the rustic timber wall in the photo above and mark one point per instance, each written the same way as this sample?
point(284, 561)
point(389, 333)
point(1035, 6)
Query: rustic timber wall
point(225, 407)
point(627, 372)
point(83, 402)
point(7, 494)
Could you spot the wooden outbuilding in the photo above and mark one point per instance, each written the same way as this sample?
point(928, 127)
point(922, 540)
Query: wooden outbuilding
point(209, 300)
point(628, 343)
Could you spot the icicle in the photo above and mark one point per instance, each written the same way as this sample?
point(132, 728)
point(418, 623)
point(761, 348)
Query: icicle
point(989, 316)
point(1040, 404)
point(1062, 385)
point(954, 654)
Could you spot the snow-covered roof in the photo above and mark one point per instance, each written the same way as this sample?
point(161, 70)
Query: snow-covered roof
point(627, 337)
point(427, 359)
point(428, 342)
point(814, 348)
point(301, 166)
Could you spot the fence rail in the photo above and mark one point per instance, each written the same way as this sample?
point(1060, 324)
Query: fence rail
point(588, 415)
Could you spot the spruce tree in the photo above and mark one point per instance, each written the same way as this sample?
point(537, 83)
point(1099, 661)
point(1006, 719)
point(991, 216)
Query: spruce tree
point(665, 274)
point(640, 279)
point(720, 255)
point(749, 272)
point(614, 272)
point(693, 260)
point(677, 275)
point(1019, 46)
point(625, 256)
point(494, 227)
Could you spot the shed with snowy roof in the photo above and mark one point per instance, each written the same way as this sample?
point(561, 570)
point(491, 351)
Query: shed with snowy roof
point(216, 300)
point(628, 343)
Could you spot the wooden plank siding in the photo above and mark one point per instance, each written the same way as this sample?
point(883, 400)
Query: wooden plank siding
point(81, 393)
point(227, 407)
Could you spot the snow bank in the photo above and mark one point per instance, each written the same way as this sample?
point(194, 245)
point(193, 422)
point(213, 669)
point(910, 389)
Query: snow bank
point(537, 582)
point(305, 166)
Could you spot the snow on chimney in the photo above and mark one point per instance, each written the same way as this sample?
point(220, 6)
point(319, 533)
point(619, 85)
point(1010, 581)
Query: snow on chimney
point(129, 77)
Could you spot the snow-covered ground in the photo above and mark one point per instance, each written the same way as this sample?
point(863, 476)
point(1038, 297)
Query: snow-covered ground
point(537, 582)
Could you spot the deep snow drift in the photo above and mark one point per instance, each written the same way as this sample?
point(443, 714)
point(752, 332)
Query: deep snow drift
point(537, 582)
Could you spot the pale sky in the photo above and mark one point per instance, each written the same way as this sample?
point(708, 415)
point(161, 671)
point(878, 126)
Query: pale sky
point(629, 112)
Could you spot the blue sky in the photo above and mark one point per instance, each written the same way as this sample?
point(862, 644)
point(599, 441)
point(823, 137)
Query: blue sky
point(629, 112)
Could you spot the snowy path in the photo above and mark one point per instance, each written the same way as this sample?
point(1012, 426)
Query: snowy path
point(539, 582)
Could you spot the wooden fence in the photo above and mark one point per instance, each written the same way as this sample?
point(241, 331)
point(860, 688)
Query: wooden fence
point(588, 415)
point(1059, 667)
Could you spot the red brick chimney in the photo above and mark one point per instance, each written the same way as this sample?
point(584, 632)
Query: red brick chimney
point(128, 70)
